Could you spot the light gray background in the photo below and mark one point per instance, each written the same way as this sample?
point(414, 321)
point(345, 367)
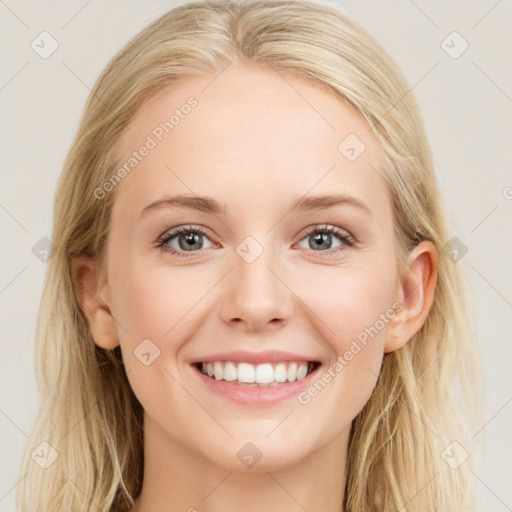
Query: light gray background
point(467, 106)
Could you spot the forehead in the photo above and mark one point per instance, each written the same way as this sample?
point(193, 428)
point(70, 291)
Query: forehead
point(253, 131)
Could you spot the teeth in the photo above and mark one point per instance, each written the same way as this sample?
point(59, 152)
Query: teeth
point(302, 372)
point(246, 373)
point(230, 372)
point(280, 373)
point(291, 374)
point(262, 374)
point(218, 371)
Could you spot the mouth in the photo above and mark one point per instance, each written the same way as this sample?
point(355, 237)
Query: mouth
point(257, 375)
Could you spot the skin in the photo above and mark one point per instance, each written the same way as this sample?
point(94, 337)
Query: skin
point(256, 145)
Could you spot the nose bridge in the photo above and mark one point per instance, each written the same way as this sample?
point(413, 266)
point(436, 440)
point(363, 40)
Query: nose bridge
point(256, 294)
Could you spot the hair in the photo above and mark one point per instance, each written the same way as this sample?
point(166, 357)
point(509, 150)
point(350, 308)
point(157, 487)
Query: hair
point(427, 393)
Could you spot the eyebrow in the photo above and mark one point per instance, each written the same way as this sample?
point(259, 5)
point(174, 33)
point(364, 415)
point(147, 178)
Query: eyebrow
point(309, 203)
point(305, 203)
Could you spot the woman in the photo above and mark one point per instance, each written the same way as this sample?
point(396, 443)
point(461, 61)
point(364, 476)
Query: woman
point(249, 305)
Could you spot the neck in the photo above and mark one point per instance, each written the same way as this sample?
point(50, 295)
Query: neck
point(179, 479)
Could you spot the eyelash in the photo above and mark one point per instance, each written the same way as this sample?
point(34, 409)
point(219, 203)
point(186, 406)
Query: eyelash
point(162, 240)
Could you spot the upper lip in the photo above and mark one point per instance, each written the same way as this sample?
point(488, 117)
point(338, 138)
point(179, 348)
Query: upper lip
point(244, 356)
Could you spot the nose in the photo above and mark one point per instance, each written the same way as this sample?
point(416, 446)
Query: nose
point(256, 296)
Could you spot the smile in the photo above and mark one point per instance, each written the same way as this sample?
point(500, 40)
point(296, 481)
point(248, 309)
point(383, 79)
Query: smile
point(266, 374)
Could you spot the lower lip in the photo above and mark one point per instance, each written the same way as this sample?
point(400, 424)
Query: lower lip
point(256, 395)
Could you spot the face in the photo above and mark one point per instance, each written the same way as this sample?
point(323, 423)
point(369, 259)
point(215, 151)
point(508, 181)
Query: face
point(256, 276)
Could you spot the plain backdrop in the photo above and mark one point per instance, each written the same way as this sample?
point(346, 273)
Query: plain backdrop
point(466, 101)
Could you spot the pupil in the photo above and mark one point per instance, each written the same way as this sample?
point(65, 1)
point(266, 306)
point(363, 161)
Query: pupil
point(324, 238)
point(191, 239)
point(318, 238)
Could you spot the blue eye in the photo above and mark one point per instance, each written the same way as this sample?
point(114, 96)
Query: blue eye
point(187, 237)
point(322, 236)
point(191, 239)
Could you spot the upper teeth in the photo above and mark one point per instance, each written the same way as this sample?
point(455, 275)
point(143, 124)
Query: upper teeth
point(258, 374)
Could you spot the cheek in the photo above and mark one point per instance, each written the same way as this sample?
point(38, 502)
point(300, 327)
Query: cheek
point(353, 308)
point(348, 302)
point(158, 309)
point(154, 307)
point(153, 302)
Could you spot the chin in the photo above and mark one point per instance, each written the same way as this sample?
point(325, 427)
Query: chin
point(259, 456)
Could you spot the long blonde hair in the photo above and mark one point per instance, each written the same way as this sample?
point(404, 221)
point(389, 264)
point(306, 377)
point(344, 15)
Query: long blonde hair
point(90, 417)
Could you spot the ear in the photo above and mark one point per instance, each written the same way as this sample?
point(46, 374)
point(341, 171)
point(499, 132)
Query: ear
point(415, 292)
point(93, 298)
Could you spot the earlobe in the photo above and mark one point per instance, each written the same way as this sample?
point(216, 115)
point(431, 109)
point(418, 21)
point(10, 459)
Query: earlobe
point(92, 297)
point(416, 292)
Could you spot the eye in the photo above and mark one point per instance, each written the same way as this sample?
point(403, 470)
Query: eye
point(186, 240)
point(183, 240)
point(321, 238)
